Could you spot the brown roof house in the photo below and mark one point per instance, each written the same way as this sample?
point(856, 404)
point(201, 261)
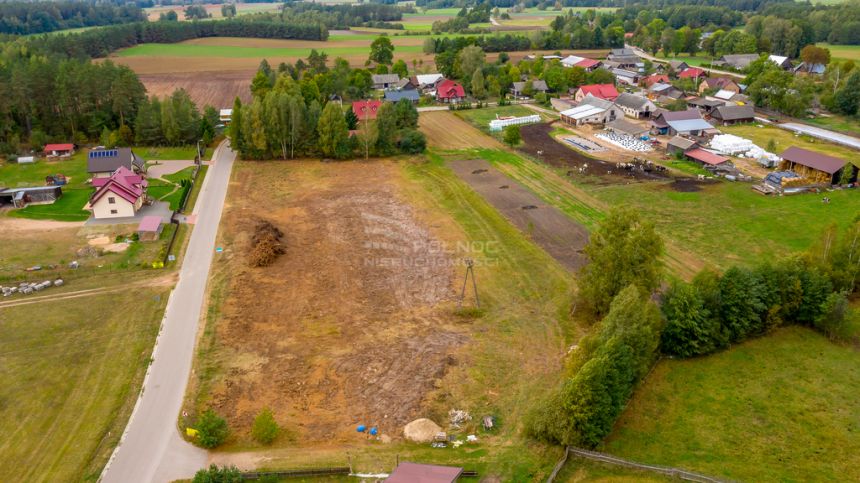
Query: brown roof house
point(817, 167)
point(726, 115)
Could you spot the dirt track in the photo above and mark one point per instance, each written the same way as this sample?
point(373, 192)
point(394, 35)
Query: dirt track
point(446, 131)
point(556, 233)
point(351, 325)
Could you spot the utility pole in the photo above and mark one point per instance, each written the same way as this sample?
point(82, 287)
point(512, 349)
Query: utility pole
point(366, 129)
point(469, 271)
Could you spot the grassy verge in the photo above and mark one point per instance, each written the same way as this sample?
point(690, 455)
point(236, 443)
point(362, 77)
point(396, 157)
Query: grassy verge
point(170, 153)
point(195, 191)
point(69, 373)
point(839, 123)
point(779, 408)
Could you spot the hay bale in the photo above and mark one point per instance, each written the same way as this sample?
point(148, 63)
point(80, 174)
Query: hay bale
point(266, 245)
point(421, 430)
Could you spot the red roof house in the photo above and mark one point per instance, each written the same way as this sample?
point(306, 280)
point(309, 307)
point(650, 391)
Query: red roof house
point(450, 91)
point(655, 79)
point(366, 109)
point(691, 73)
point(52, 150)
point(601, 91)
point(120, 195)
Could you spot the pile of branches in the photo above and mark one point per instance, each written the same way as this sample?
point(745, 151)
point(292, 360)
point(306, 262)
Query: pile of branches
point(266, 244)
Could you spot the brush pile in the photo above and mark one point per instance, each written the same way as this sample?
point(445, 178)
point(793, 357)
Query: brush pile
point(266, 244)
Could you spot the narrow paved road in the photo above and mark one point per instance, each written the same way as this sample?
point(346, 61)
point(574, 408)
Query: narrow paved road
point(151, 449)
point(821, 133)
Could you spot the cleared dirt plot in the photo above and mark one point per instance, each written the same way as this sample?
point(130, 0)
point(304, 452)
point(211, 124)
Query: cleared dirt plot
point(352, 322)
point(444, 130)
point(217, 89)
point(558, 234)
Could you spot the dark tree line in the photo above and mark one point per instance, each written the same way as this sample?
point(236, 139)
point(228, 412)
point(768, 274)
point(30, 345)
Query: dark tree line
point(24, 18)
point(102, 41)
point(340, 16)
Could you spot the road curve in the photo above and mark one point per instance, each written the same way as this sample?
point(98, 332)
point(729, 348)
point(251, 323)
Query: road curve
point(151, 449)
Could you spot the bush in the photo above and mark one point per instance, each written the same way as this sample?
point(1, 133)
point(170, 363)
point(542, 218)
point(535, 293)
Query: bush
point(412, 142)
point(212, 430)
point(265, 428)
point(834, 317)
point(512, 136)
point(215, 474)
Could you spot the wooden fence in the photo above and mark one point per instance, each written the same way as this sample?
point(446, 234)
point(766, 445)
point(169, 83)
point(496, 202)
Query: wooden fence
point(303, 473)
point(614, 460)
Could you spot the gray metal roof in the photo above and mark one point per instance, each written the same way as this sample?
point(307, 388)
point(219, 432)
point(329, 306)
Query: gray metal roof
point(385, 78)
point(688, 125)
point(394, 96)
point(627, 127)
point(733, 113)
point(108, 160)
point(632, 101)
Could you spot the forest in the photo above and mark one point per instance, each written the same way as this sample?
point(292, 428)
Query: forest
point(25, 18)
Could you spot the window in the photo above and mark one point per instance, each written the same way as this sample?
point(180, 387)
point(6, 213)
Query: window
point(113, 212)
point(111, 200)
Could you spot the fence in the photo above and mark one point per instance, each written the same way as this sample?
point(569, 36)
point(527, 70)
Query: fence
point(614, 460)
point(256, 475)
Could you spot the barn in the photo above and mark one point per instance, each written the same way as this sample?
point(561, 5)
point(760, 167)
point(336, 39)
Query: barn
point(817, 167)
point(35, 195)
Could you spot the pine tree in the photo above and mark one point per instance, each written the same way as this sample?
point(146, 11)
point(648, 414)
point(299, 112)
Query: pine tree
point(351, 119)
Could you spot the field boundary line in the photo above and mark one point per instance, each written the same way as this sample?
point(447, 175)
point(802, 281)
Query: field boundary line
point(615, 460)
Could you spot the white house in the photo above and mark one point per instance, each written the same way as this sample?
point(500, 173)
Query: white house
point(118, 196)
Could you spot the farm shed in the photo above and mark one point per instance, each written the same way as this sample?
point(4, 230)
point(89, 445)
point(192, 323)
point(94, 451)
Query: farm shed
point(665, 90)
point(816, 167)
point(601, 91)
point(101, 163)
point(624, 76)
point(366, 109)
point(592, 110)
point(635, 106)
point(705, 105)
point(35, 195)
point(705, 157)
point(687, 122)
point(678, 65)
point(727, 115)
point(406, 84)
point(26, 159)
point(394, 96)
point(150, 228)
point(407, 472)
point(679, 144)
point(623, 126)
point(583, 62)
point(59, 150)
point(385, 81)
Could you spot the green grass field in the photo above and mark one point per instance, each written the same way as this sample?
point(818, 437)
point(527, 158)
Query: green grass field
point(195, 50)
point(481, 118)
point(839, 123)
point(779, 408)
point(843, 52)
point(69, 379)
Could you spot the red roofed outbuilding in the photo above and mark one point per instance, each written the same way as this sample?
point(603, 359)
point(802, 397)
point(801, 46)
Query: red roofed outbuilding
point(366, 109)
point(601, 91)
point(59, 150)
point(449, 91)
point(705, 157)
point(655, 79)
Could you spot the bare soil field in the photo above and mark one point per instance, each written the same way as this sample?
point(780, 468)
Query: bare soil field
point(539, 144)
point(444, 130)
point(555, 232)
point(217, 89)
point(352, 324)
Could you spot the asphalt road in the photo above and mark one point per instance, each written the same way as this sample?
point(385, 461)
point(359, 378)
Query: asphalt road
point(151, 449)
point(820, 133)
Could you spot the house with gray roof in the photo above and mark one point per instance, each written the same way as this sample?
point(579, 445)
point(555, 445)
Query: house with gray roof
point(736, 61)
point(727, 115)
point(101, 163)
point(518, 88)
point(394, 96)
